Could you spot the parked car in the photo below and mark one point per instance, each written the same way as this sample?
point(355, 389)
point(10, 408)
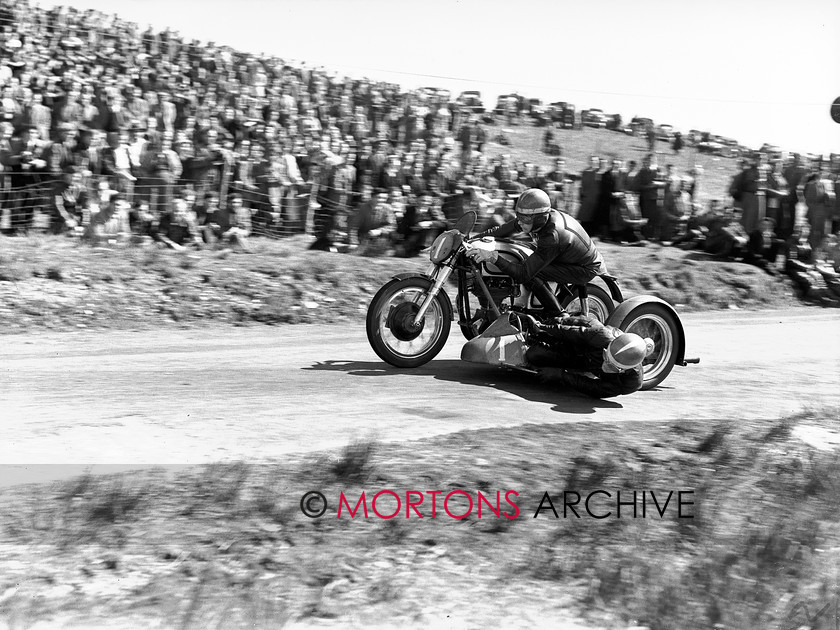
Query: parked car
point(562, 113)
point(665, 133)
point(771, 150)
point(731, 148)
point(594, 118)
point(471, 101)
point(538, 112)
point(722, 146)
point(436, 95)
point(710, 146)
point(638, 125)
point(502, 102)
point(614, 122)
point(693, 137)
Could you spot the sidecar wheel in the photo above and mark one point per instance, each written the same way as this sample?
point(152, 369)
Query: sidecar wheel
point(389, 319)
point(657, 322)
point(601, 304)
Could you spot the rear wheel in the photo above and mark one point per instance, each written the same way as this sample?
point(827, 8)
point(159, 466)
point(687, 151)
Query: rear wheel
point(657, 322)
point(389, 323)
point(601, 305)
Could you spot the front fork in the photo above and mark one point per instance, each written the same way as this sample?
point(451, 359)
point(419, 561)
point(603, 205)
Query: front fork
point(443, 272)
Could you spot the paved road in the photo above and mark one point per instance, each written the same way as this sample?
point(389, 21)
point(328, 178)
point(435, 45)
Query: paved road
point(184, 397)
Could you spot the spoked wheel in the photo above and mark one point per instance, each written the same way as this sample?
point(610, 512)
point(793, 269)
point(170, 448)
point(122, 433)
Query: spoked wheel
point(601, 304)
point(658, 323)
point(390, 328)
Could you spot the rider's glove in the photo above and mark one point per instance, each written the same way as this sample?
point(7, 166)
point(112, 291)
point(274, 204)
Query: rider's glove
point(483, 255)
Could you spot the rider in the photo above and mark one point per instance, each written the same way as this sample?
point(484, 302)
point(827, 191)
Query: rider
point(564, 252)
point(607, 361)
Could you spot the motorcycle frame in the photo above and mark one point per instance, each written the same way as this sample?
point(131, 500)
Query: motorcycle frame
point(440, 272)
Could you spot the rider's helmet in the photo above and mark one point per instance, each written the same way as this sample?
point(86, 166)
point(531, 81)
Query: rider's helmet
point(532, 209)
point(626, 352)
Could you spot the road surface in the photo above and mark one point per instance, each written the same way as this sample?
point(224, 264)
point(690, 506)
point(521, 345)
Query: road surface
point(193, 396)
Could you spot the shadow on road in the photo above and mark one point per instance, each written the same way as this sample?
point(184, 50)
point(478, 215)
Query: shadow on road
point(521, 384)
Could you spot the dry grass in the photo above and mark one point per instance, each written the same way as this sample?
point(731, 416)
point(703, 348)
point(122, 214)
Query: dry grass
point(227, 546)
point(60, 284)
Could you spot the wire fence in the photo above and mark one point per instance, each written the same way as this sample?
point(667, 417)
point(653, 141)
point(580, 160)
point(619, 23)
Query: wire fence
point(277, 210)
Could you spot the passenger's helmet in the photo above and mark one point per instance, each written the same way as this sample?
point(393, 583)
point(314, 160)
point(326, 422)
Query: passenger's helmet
point(533, 207)
point(627, 351)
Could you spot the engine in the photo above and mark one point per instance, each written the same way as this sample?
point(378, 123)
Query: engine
point(500, 287)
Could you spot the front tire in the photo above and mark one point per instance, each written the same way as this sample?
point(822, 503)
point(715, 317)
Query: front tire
point(389, 318)
point(657, 322)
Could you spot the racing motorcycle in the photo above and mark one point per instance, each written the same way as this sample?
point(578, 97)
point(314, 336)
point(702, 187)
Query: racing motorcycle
point(409, 319)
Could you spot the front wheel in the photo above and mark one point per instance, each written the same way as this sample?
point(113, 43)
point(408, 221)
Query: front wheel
point(657, 322)
point(389, 323)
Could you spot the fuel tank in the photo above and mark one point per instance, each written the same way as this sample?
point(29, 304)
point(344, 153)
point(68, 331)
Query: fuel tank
point(513, 251)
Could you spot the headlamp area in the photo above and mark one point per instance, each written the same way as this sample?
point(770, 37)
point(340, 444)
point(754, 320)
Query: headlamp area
point(444, 245)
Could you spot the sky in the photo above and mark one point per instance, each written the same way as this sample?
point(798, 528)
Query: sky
point(757, 71)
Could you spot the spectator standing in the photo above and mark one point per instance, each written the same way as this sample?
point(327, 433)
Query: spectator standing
point(137, 106)
point(479, 136)
point(673, 214)
point(465, 137)
point(40, 116)
point(647, 186)
point(632, 171)
point(162, 168)
point(590, 181)
point(752, 187)
point(777, 201)
point(795, 174)
point(563, 181)
point(820, 198)
point(27, 166)
point(678, 142)
point(612, 182)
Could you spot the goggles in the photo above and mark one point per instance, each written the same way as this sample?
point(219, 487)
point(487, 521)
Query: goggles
point(529, 218)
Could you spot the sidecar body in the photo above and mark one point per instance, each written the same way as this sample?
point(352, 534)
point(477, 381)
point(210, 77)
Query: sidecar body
point(500, 344)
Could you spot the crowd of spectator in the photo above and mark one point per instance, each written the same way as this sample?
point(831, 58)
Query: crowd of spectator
point(108, 129)
point(781, 214)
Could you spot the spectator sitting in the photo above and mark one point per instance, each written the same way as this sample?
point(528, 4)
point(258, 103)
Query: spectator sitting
point(764, 247)
point(726, 236)
point(240, 228)
point(697, 225)
point(377, 225)
point(108, 216)
point(422, 223)
point(177, 228)
point(71, 204)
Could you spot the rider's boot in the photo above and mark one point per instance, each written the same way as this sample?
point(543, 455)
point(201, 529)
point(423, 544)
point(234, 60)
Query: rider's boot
point(551, 306)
